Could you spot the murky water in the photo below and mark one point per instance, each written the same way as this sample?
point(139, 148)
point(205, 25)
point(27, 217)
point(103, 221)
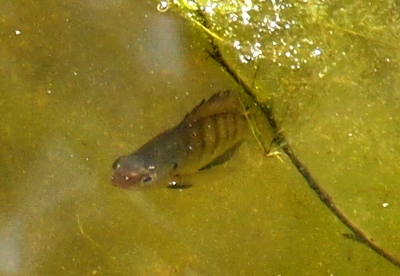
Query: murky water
point(84, 82)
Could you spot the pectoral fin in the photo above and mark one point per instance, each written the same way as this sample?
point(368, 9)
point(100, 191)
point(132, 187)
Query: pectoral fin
point(179, 186)
point(177, 183)
point(223, 157)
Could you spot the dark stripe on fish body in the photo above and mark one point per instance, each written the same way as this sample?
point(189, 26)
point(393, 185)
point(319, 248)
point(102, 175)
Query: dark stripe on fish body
point(198, 139)
point(192, 137)
point(202, 139)
point(234, 126)
point(209, 133)
point(214, 122)
point(241, 121)
point(222, 129)
point(228, 123)
point(219, 135)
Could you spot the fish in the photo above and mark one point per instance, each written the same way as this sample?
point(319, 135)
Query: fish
point(208, 136)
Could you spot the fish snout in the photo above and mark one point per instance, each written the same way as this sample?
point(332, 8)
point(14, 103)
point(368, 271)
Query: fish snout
point(125, 180)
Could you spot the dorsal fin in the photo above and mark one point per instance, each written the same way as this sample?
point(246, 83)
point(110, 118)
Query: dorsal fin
point(222, 102)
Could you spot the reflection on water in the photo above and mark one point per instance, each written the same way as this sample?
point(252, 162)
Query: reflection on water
point(41, 215)
point(87, 82)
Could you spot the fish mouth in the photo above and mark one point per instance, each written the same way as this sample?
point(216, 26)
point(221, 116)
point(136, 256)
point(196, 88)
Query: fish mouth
point(127, 182)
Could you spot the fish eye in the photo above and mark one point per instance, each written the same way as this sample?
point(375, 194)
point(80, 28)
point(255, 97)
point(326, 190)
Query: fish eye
point(147, 179)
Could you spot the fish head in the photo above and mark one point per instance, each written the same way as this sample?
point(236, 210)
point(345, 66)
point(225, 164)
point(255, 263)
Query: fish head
point(130, 173)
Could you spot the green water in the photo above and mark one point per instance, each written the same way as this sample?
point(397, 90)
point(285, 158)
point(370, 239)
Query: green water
point(84, 82)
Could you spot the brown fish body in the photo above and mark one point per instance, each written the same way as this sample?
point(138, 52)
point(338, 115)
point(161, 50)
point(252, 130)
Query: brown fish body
point(207, 136)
